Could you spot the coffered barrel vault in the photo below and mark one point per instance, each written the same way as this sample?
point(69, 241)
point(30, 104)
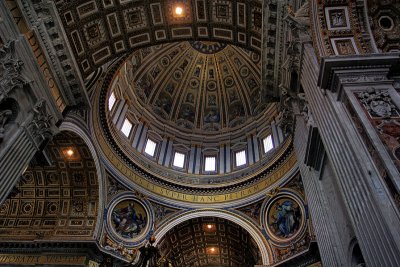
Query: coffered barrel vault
point(107, 29)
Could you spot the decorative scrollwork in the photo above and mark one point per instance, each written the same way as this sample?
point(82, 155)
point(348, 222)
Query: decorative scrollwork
point(10, 70)
point(378, 103)
point(5, 115)
point(41, 124)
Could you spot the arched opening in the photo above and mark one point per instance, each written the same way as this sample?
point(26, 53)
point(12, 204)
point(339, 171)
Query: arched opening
point(209, 241)
point(236, 242)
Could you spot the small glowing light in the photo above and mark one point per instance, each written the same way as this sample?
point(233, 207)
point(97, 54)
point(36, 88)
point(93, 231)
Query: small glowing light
point(209, 226)
point(70, 152)
point(212, 249)
point(178, 10)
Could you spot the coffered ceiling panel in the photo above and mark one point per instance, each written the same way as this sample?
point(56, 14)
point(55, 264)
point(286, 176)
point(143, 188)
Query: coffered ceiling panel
point(102, 30)
point(210, 241)
point(56, 202)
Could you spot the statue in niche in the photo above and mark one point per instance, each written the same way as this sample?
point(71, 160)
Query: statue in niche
point(5, 115)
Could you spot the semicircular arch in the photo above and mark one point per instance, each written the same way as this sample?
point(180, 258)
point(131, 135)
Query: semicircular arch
point(254, 232)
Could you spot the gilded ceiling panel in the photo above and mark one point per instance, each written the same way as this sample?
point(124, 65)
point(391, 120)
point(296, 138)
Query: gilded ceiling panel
point(56, 202)
point(107, 29)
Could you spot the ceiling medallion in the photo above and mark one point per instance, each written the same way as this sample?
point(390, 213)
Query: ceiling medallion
point(207, 47)
point(129, 219)
point(285, 218)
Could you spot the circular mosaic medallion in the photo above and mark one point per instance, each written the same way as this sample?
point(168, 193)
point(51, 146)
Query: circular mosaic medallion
point(284, 218)
point(129, 219)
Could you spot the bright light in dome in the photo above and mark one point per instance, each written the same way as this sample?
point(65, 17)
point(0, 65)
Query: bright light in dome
point(70, 152)
point(209, 164)
point(178, 10)
point(241, 158)
point(150, 147)
point(268, 144)
point(179, 160)
point(126, 128)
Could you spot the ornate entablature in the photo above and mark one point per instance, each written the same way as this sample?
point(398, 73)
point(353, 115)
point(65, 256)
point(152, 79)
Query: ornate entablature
point(39, 23)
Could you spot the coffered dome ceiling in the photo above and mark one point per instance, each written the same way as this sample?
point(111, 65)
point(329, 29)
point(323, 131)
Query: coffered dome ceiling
point(198, 87)
point(195, 100)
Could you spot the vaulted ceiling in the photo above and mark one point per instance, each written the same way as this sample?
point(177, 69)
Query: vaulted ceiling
point(209, 241)
point(56, 202)
point(199, 86)
point(107, 29)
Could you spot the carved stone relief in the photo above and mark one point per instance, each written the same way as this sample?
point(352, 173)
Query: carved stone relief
point(378, 103)
point(10, 70)
point(40, 128)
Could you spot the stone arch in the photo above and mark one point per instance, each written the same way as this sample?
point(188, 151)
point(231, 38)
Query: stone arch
point(73, 127)
point(254, 232)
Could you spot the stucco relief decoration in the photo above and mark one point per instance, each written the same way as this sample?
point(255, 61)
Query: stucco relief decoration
point(284, 218)
point(41, 124)
point(10, 70)
point(5, 115)
point(378, 103)
point(385, 117)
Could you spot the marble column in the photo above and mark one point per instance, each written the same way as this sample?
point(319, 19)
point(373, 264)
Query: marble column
point(371, 209)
